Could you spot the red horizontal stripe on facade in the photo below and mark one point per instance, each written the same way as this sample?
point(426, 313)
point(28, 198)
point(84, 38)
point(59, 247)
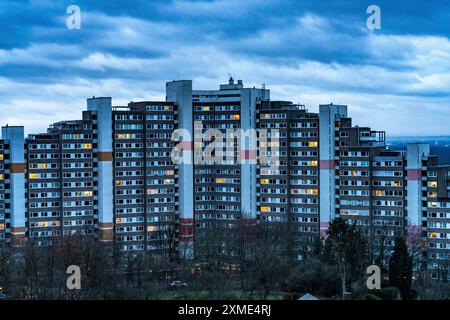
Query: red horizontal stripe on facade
point(414, 174)
point(327, 164)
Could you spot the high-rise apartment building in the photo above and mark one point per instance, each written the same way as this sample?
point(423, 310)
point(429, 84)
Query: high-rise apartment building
point(153, 174)
point(288, 191)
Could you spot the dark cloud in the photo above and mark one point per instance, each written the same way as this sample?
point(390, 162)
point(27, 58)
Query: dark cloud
point(307, 50)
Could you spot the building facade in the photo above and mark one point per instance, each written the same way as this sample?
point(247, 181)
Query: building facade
point(154, 174)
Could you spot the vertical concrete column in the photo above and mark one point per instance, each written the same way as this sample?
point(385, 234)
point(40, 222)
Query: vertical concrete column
point(416, 152)
point(15, 136)
point(327, 118)
point(248, 144)
point(103, 109)
point(180, 92)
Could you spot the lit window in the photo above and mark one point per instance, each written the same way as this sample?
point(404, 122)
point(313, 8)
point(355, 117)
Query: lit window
point(220, 180)
point(2, 226)
point(236, 117)
point(264, 181)
point(432, 184)
point(151, 228)
point(313, 163)
point(87, 146)
point(313, 144)
point(33, 176)
point(265, 209)
point(1, 156)
point(119, 220)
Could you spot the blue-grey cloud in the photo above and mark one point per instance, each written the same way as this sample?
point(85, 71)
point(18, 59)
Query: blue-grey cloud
point(308, 51)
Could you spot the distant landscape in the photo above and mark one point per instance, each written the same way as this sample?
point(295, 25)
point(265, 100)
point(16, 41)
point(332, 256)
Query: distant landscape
point(440, 145)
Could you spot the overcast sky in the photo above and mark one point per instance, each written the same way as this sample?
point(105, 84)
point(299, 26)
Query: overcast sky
point(313, 52)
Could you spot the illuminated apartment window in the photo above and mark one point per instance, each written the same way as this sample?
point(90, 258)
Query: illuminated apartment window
point(1, 156)
point(2, 226)
point(1, 177)
point(432, 184)
point(87, 146)
point(264, 181)
point(206, 108)
point(236, 117)
point(313, 144)
point(43, 166)
point(87, 193)
point(265, 209)
point(397, 184)
point(119, 220)
point(151, 228)
point(119, 182)
point(313, 163)
point(314, 191)
point(220, 180)
point(33, 176)
point(432, 194)
point(378, 193)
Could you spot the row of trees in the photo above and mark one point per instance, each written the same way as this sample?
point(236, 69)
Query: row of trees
point(254, 261)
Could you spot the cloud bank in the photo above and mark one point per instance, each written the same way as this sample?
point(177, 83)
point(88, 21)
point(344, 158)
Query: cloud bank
point(395, 79)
